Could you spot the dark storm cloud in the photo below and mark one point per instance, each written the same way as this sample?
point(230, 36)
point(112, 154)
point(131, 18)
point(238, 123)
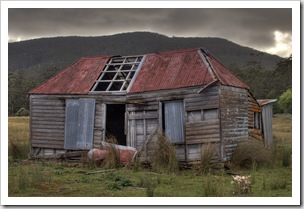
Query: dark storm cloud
point(251, 27)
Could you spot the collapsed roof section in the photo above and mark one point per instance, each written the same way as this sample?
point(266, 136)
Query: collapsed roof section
point(134, 74)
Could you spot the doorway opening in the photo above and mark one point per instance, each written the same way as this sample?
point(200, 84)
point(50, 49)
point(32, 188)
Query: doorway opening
point(115, 122)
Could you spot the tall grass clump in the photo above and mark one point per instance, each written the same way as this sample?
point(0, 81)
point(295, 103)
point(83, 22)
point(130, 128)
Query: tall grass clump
point(113, 158)
point(248, 153)
point(281, 151)
point(207, 153)
point(163, 155)
point(24, 178)
point(18, 150)
point(18, 138)
point(213, 187)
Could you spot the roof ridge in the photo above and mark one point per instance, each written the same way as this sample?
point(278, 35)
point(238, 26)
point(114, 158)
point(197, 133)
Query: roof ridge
point(179, 50)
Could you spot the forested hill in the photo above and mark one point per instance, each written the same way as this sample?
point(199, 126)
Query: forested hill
point(32, 62)
point(62, 51)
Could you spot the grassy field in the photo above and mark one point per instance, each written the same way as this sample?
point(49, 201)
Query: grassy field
point(29, 178)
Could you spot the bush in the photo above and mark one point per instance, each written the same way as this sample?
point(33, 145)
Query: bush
point(248, 153)
point(22, 112)
point(285, 101)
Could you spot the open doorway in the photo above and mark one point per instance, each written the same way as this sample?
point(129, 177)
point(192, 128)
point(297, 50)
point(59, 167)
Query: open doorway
point(115, 122)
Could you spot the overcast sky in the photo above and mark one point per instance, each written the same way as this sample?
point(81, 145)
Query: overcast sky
point(264, 29)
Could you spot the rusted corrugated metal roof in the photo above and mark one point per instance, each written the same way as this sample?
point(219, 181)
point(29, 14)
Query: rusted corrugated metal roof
point(225, 76)
point(170, 70)
point(183, 68)
point(159, 71)
point(75, 79)
point(266, 101)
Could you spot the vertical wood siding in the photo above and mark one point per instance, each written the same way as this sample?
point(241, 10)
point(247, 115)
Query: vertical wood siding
point(234, 117)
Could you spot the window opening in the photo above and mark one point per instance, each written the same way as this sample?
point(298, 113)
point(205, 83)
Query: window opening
point(118, 74)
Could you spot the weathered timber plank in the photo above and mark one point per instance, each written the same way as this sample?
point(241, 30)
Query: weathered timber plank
point(203, 141)
point(50, 119)
point(48, 138)
point(143, 116)
point(47, 115)
point(44, 122)
point(203, 123)
point(48, 142)
point(48, 126)
point(202, 107)
point(209, 136)
point(201, 132)
point(48, 146)
point(46, 130)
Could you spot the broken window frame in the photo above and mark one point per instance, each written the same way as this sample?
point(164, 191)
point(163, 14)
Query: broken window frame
point(118, 78)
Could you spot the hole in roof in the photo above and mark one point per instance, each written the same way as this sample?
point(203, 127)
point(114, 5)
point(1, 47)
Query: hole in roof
point(118, 74)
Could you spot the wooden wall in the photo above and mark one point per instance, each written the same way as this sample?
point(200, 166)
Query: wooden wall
point(205, 114)
point(253, 107)
point(201, 111)
point(47, 124)
point(234, 118)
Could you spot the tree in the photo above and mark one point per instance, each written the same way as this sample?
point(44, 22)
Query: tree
point(285, 101)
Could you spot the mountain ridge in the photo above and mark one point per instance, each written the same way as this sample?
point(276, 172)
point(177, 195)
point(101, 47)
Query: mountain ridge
point(62, 51)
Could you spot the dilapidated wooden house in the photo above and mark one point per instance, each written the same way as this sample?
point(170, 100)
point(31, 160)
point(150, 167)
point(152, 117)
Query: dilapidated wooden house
point(188, 94)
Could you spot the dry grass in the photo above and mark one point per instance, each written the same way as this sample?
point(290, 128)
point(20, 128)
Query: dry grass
point(252, 152)
point(18, 138)
point(207, 153)
point(113, 158)
point(163, 155)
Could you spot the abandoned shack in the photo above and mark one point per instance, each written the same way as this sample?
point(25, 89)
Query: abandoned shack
point(188, 94)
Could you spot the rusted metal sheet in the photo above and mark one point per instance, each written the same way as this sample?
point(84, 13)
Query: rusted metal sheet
point(159, 71)
point(225, 76)
point(266, 101)
point(171, 70)
point(75, 79)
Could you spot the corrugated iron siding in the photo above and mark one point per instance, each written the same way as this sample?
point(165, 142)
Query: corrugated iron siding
point(174, 121)
point(75, 79)
point(171, 70)
point(267, 123)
